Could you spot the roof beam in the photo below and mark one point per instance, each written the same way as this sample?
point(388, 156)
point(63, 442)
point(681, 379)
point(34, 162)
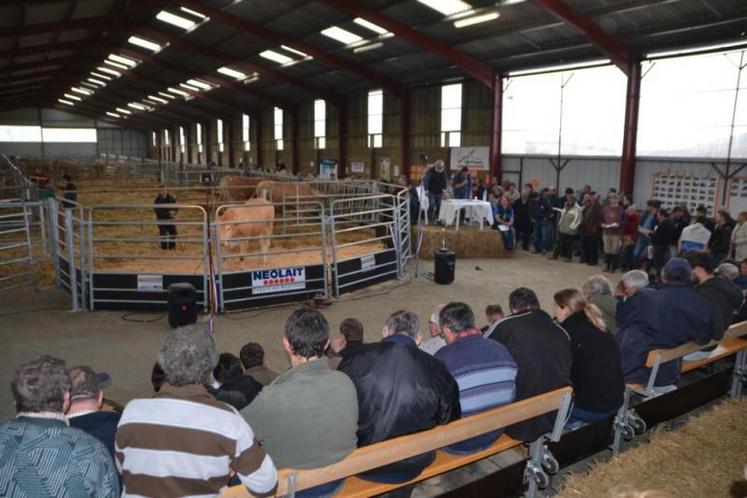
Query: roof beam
point(256, 29)
point(479, 70)
point(37, 65)
point(98, 22)
point(616, 49)
point(50, 47)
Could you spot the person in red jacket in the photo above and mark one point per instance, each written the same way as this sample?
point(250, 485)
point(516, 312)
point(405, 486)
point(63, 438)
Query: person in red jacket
point(629, 235)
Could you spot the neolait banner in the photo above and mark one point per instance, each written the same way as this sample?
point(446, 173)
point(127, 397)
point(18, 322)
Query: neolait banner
point(477, 158)
point(278, 280)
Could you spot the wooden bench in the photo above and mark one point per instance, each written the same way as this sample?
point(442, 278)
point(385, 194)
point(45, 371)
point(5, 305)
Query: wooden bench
point(394, 450)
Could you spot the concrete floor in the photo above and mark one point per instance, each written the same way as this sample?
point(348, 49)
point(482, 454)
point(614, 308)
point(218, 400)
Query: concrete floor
point(38, 322)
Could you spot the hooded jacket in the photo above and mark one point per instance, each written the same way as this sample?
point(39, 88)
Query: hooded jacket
point(725, 299)
point(401, 390)
point(660, 319)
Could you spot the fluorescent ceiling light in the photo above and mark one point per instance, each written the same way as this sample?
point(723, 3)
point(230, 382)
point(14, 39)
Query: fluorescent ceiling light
point(200, 84)
point(82, 91)
point(123, 60)
point(472, 20)
point(369, 25)
point(89, 86)
point(503, 3)
point(341, 35)
point(135, 105)
point(147, 44)
point(158, 99)
point(294, 51)
point(116, 64)
point(96, 82)
point(63, 101)
point(101, 76)
point(188, 87)
point(175, 20)
point(193, 12)
point(447, 7)
point(563, 67)
point(73, 97)
point(148, 101)
point(366, 48)
point(252, 78)
point(113, 114)
point(177, 91)
point(695, 50)
point(123, 111)
point(106, 70)
point(231, 73)
point(167, 95)
point(275, 56)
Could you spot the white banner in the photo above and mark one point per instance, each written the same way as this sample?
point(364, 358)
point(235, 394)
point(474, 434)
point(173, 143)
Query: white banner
point(358, 167)
point(477, 158)
point(278, 280)
point(150, 282)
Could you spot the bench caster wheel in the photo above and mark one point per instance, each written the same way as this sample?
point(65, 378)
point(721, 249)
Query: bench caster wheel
point(541, 479)
point(534, 472)
point(637, 423)
point(549, 463)
point(627, 432)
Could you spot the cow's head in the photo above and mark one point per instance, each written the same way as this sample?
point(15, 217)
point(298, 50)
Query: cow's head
point(226, 226)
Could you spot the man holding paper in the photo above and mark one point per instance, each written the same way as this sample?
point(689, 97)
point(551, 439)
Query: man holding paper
point(612, 218)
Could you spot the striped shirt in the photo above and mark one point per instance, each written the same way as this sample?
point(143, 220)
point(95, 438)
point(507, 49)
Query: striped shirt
point(183, 443)
point(485, 373)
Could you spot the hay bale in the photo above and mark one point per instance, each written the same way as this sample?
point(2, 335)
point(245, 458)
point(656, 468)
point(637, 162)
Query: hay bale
point(468, 242)
point(703, 458)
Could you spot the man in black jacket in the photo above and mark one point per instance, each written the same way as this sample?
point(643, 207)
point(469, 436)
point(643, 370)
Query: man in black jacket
point(720, 242)
point(662, 239)
point(542, 351)
point(231, 385)
point(166, 230)
point(401, 390)
point(523, 218)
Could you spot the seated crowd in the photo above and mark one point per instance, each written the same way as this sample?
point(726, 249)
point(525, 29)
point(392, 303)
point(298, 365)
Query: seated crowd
point(219, 419)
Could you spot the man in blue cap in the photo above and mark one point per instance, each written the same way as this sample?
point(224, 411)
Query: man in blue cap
point(665, 318)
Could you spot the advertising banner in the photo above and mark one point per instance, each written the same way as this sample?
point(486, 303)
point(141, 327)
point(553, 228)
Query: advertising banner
point(477, 158)
point(278, 280)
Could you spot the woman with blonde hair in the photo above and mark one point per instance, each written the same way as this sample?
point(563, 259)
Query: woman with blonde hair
point(596, 371)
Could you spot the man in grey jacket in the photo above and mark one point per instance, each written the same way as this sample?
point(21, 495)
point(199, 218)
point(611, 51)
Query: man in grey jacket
point(568, 223)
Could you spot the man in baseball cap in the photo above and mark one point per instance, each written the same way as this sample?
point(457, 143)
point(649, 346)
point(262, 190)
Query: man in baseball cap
point(86, 400)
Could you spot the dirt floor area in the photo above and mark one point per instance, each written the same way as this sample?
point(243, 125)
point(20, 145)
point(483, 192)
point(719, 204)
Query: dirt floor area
point(126, 344)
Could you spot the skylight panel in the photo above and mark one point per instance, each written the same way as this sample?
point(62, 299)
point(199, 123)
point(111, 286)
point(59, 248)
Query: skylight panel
point(275, 56)
point(82, 91)
point(144, 43)
point(447, 7)
point(202, 85)
point(135, 105)
point(472, 20)
point(106, 70)
point(123, 60)
point(158, 99)
point(341, 35)
point(116, 64)
point(100, 76)
point(113, 114)
point(123, 111)
point(193, 13)
point(66, 102)
point(174, 20)
point(231, 73)
point(369, 25)
point(72, 97)
point(366, 48)
point(177, 91)
point(167, 95)
point(294, 51)
point(96, 82)
point(89, 86)
point(188, 87)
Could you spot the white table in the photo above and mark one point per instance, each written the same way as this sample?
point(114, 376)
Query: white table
point(449, 212)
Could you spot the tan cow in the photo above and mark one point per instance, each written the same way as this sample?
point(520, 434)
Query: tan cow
point(237, 188)
point(284, 191)
point(254, 219)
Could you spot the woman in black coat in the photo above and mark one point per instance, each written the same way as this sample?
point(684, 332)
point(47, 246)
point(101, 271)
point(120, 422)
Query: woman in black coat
point(596, 371)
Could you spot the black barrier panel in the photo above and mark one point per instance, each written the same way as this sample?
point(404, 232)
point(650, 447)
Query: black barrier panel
point(578, 445)
point(256, 288)
point(119, 291)
point(353, 276)
point(507, 482)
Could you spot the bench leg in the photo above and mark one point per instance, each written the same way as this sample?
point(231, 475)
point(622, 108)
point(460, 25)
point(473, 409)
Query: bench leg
point(739, 376)
point(534, 474)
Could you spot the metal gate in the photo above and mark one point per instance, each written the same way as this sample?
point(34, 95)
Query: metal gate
point(17, 260)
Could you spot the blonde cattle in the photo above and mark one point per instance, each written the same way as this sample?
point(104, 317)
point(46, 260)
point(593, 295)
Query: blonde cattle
point(237, 188)
point(254, 219)
point(284, 191)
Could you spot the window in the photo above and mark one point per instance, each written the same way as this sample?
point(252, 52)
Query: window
point(199, 138)
point(278, 128)
point(166, 138)
point(245, 132)
point(451, 115)
point(375, 118)
point(63, 135)
point(320, 124)
point(153, 139)
point(219, 127)
point(10, 133)
point(182, 141)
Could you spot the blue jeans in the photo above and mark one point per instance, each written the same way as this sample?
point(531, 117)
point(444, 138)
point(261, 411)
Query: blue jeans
point(542, 229)
point(434, 205)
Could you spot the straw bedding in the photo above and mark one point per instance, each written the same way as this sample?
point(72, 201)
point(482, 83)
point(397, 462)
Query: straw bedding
point(706, 457)
point(468, 242)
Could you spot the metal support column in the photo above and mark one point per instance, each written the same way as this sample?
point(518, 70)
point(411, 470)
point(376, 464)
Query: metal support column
point(496, 136)
point(342, 140)
point(405, 131)
point(257, 124)
point(294, 140)
point(630, 136)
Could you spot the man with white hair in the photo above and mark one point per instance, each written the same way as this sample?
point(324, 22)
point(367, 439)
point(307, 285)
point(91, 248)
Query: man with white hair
point(436, 340)
point(401, 390)
point(184, 442)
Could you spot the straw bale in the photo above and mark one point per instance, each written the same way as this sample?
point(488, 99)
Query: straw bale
point(468, 242)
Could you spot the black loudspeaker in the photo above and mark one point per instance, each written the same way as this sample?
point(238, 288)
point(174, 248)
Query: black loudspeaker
point(182, 302)
point(445, 261)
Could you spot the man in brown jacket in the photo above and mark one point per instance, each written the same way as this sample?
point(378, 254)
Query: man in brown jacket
point(591, 229)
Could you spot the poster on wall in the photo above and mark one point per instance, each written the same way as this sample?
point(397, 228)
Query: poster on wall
point(673, 189)
point(358, 167)
point(477, 158)
point(328, 169)
point(385, 169)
